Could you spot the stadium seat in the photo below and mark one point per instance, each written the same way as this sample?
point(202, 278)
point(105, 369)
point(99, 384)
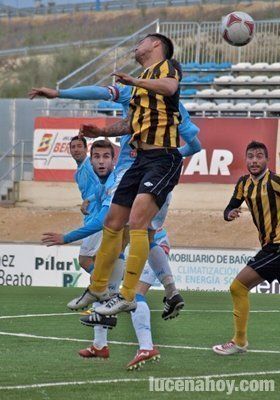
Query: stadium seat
point(259, 106)
point(206, 79)
point(225, 92)
point(275, 107)
point(274, 93)
point(243, 92)
point(224, 65)
point(261, 92)
point(207, 93)
point(242, 79)
point(208, 106)
point(188, 92)
point(259, 66)
point(242, 106)
point(225, 106)
point(190, 66)
point(274, 66)
point(190, 79)
point(191, 106)
point(224, 79)
point(274, 79)
point(244, 66)
point(208, 66)
point(259, 79)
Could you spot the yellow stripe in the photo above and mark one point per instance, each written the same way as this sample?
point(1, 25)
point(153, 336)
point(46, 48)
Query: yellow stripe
point(266, 209)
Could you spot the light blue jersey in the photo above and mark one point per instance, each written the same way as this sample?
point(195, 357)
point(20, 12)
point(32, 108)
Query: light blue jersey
point(86, 180)
point(101, 196)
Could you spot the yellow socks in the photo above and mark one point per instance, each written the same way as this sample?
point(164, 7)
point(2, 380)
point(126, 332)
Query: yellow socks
point(138, 254)
point(240, 299)
point(109, 251)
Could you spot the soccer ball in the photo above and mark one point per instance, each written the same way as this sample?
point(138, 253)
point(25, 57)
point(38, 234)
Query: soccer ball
point(238, 28)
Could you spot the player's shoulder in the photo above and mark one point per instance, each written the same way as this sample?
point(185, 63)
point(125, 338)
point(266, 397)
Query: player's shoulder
point(274, 176)
point(243, 179)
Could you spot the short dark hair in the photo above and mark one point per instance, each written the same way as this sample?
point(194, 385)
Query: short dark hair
point(167, 45)
point(82, 139)
point(102, 144)
point(257, 145)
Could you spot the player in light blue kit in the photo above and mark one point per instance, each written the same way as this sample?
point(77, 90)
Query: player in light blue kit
point(86, 179)
point(100, 190)
point(188, 132)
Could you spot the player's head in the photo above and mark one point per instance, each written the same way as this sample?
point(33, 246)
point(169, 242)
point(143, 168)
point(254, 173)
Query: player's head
point(256, 158)
point(154, 44)
point(102, 157)
point(78, 148)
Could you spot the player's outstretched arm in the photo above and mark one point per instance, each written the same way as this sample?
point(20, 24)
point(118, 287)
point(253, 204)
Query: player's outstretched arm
point(52, 239)
point(164, 86)
point(92, 226)
point(43, 92)
point(79, 93)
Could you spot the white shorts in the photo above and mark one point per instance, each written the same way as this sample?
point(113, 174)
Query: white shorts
point(158, 220)
point(91, 244)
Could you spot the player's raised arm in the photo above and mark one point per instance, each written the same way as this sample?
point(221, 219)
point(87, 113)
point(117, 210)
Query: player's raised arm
point(164, 86)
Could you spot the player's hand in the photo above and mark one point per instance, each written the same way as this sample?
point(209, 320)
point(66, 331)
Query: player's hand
point(52, 239)
point(125, 79)
point(89, 130)
point(233, 214)
point(43, 92)
point(84, 207)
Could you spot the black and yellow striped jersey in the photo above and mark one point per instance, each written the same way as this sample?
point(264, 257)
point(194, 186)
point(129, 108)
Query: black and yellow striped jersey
point(154, 117)
point(262, 197)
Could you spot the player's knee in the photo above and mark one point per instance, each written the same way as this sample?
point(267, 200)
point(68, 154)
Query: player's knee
point(137, 221)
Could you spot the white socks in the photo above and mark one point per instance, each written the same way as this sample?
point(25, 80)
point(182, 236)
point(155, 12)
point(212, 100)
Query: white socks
point(142, 323)
point(100, 334)
point(159, 263)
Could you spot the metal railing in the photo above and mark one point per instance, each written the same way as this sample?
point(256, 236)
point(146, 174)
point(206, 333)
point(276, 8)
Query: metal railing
point(118, 57)
point(204, 43)
point(193, 42)
point(14, 159)
point(264, 47)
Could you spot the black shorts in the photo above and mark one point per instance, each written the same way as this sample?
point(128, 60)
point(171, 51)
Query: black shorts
point(267, 262)
point(153, 171)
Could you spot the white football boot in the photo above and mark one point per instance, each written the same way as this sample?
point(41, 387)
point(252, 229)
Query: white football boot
point(87, 298)
point(229, 348)
point(116, 305)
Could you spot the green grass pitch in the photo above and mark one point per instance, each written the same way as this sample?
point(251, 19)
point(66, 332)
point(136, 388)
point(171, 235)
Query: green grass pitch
point(207, 320)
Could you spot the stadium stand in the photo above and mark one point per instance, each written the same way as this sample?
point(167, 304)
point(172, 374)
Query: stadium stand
point(247, 95)
point(226, 93)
